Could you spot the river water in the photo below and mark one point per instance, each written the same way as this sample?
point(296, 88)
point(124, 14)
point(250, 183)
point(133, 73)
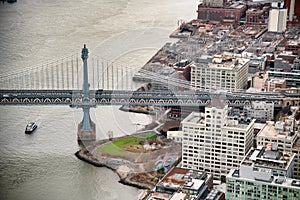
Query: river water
point(42, 165)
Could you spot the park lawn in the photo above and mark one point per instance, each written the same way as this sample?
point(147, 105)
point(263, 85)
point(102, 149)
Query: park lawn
point(112, 149)
point(127, 142)
point(119, 147)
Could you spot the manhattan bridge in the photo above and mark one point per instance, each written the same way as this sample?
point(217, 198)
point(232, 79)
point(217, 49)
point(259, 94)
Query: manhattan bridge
point(86, 80)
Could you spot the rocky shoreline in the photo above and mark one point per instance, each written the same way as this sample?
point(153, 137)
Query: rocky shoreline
point(124, 176)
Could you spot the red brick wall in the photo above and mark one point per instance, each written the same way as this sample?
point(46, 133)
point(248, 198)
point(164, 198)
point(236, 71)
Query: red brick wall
point(218, 14)
point(287, 4)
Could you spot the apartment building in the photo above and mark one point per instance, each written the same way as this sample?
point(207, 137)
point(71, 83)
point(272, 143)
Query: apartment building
point(262, 111)
point(285, 134)
point(265, 173)
point(220, 73)
point(214, 142)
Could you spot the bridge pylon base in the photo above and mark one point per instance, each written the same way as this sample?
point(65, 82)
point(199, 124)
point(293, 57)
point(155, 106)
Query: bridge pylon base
point(86, 135)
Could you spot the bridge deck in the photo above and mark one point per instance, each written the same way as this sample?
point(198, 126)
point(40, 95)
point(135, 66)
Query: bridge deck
point(122, 97)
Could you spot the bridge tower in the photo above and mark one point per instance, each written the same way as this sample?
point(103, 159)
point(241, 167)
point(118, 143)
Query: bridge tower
point(86, 128)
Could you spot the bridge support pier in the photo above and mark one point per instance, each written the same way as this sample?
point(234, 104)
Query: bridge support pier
point(86, 135)
point(86, 128)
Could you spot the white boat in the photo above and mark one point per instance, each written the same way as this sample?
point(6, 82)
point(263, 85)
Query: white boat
point(30, 127)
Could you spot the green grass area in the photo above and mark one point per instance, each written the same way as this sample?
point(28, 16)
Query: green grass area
point(127, 141)
point(111, 149)
point(118, 147)
point(115, 148)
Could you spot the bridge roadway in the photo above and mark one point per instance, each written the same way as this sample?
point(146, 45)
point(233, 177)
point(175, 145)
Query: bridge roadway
point(134, 98)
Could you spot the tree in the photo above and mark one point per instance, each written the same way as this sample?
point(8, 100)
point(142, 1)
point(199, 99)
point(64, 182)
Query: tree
point(161, 170)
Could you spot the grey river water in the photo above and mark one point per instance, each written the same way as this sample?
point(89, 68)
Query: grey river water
point(42, 165)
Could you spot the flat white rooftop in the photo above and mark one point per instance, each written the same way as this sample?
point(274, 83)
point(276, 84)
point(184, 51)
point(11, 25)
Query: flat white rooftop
point(178, 196)
point(269, 131)
point(194, 118)
point(175, 133)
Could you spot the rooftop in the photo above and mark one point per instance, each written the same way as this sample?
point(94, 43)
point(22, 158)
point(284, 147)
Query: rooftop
point(179, 177)
point(277, 180)
point(214, 194)
point(175, 133)
point(160, 195)
point(270, 131)
point(268, 157)
point(193, 184)
point(254, 10)
point(226, 63)
point(238, 6)
point(241, 123)
point(259, 126)
point(195, 118)
point(179, 196)
point(181, 183)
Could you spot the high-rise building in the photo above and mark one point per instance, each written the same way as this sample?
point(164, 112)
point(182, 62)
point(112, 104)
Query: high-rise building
point(214, 142)
point(277, 19)
point(264, 174)
point(220, 73)
point(285, 134)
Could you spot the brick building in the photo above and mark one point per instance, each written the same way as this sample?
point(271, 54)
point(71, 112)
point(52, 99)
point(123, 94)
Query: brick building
point(254, 16)
point(257, 14)
point(231, 13)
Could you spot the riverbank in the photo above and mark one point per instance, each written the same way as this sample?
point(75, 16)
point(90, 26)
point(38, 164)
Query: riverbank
point(122, 173)
point(134, 168)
